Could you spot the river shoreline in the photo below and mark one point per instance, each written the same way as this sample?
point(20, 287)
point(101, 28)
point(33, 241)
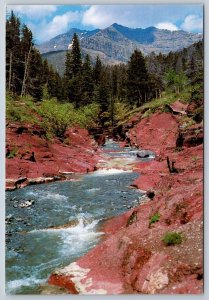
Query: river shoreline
point(133, 259)
point(67, 216)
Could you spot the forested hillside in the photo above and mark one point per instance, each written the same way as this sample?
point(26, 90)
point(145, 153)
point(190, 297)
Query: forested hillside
point(115, 90)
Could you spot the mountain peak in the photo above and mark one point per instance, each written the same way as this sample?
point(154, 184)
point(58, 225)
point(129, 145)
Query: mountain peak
point(115, 24)
point(117, 42)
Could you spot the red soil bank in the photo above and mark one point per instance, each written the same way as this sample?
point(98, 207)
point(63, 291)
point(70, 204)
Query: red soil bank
point(53, 159)
point(133, 257)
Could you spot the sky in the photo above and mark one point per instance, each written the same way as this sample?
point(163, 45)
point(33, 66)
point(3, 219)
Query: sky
point(48, 21)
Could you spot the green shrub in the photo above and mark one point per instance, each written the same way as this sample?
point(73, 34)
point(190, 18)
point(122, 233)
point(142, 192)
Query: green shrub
point(172, 238)
point(155, 218)
point(12, 153)
point(21, 109)
point(87, 116)
point(56, 117)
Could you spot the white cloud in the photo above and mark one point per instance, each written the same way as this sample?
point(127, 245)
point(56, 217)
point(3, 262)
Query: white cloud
point(166, 16)
point(167, 25)
point(33, 11)
point(101, 16)
point(95, 16)
point(193, 23)
point(59, 24)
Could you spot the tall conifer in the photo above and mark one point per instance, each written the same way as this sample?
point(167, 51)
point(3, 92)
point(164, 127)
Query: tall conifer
point(73, 67)
point(87, 81)
point(13, 57)
point(137, 79)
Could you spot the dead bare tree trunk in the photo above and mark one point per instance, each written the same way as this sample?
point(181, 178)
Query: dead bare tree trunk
point(26, 72)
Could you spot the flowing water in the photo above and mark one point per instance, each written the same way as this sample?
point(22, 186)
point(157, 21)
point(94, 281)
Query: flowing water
point(50, 225)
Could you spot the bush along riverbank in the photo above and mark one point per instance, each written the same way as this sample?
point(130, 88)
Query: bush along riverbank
point(157, 247)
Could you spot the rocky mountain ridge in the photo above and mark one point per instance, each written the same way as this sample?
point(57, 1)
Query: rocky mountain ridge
point(116, 43)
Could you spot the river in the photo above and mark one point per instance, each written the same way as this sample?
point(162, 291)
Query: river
point(63, 219)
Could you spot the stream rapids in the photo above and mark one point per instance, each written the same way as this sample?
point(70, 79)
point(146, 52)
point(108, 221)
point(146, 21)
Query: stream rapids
point(48, 226)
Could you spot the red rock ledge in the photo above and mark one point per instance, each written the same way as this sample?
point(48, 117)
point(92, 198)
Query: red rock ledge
point(132, 258)
point(52, 160)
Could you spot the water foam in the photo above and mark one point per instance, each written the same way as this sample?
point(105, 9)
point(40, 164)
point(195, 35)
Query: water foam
point(93, 190)
point(47, 195)
point(55, 196)
point(14, 285)
point(112, 171)
point(81, 227)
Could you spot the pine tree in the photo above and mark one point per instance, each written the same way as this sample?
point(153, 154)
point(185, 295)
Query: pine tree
point(114, 92)
point(45, 74)
point(104, 90)
point(137, 79)
point(122, 79)
point(51, 82)
point(97, 76)
point(13, 56)
point(196, 79)
point(97, 71)
point(34, 83)
point(73, 68)
point(73, 63)
point(87, 81)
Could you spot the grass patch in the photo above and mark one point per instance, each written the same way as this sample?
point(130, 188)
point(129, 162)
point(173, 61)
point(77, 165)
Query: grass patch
point(155, 218)
point(151, 107)
point(23, 110)
point(13, 153)
point(159, 104)
point(172, 238)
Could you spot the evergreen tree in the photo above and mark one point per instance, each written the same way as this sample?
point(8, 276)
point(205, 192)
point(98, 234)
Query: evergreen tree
point(26, 39)
point(97, 74)
point(73, 68)
point(73, 62)
point(122, 79)
point(113, 93)
point(45, 74)
point(137, 79)
point(87, 81)
point(104, 90)
point(51, 82)
point(13, 57)
point(97, 71)
point(34, 83)
point(196, 79)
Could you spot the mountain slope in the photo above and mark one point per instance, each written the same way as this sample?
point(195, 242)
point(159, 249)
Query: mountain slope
point(62, 41)
point(116, 43)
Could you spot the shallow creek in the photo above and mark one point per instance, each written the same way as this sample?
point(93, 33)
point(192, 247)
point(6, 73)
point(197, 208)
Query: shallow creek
point(63, 219)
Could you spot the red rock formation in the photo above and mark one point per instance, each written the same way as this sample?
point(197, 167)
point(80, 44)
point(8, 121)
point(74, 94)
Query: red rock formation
point(133, 257)
point(53, 159)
